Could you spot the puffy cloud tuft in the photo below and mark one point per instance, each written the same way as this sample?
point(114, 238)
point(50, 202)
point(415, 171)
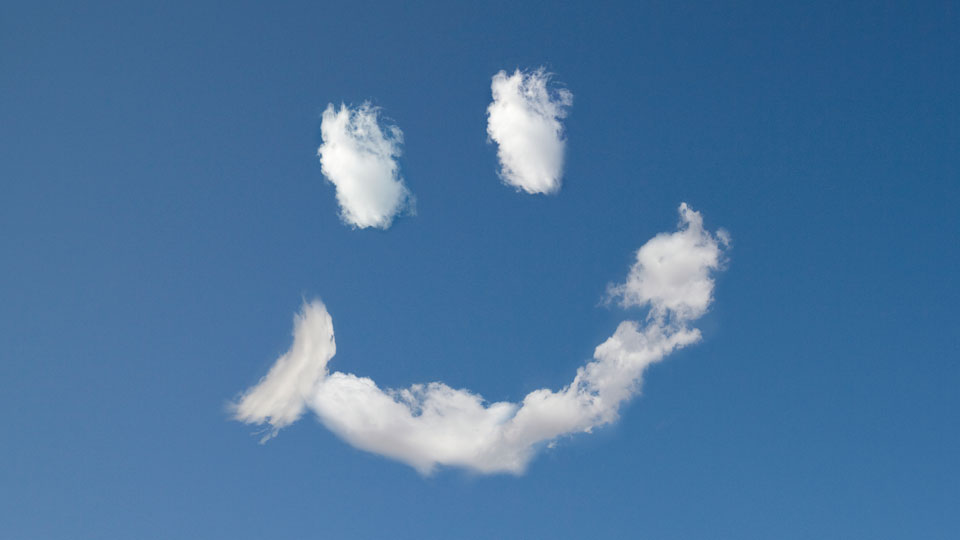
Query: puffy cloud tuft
point(673, 272)
point(431, 425)
point(524, 120)
point(359, 157)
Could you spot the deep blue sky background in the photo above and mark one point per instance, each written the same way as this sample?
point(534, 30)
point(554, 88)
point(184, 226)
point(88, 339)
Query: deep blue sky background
point(163, 214)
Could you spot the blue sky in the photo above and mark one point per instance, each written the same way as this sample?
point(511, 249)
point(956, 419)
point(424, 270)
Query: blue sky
point(164, 216)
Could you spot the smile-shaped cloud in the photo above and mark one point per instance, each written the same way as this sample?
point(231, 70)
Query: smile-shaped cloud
point(430, 425)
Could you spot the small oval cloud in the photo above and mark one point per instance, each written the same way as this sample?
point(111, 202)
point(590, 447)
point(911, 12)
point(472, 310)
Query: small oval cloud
point(524, 120)
point(359, 157)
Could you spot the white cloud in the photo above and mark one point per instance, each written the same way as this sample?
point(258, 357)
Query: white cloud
point(673, 271)
point(524, 120)
point(434, 425)
point(359, 156)
point(281, 396)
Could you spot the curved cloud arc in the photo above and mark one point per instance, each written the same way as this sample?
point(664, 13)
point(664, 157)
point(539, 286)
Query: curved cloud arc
point(431, 425)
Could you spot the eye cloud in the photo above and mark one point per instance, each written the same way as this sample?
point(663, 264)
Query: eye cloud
point(524, 120)
point(434, 425)
point(359, 157)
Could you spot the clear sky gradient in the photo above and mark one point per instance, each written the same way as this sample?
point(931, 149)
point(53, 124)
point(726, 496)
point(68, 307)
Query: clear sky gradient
point(163, 215)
